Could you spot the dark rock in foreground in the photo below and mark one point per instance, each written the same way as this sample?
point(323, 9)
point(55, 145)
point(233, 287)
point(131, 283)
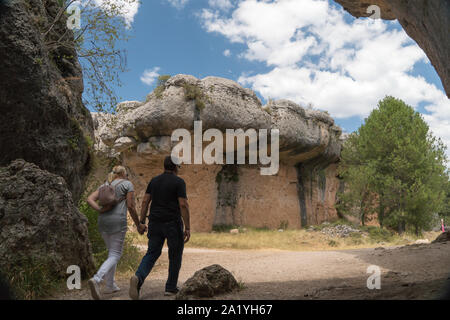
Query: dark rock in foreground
point(43, 119)
point(208, 282)
point(39, 222)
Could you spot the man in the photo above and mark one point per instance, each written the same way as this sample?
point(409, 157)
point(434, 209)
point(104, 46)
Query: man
point(169, 209)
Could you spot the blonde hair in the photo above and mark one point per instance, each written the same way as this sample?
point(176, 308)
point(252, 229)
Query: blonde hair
point(117, 171)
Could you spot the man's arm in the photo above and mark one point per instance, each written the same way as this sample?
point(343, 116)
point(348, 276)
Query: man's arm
point(184, 207)
point(144, 207)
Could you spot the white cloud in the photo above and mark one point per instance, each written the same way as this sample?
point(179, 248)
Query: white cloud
point(179, 4)
point(227, 53)
point(128, 8)
point(220, 4)
point(316, 56)
point(150, 75)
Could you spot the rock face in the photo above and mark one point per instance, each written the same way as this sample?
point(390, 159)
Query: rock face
point(43, 118)
point(427, 22)
point(39, 221)
point(302, 192)
point(208, 282)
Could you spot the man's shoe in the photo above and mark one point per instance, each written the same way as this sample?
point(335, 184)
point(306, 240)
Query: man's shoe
point(170, 293)
point(134, 288)
point(95, 290)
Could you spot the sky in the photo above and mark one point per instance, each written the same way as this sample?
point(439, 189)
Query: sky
point(307, 51)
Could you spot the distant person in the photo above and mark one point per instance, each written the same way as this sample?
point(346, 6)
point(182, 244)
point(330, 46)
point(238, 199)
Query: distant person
point(169, 209)
point(112, 224)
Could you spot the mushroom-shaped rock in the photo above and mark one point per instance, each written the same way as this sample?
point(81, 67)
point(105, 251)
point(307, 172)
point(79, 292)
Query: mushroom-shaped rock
point(303, 190)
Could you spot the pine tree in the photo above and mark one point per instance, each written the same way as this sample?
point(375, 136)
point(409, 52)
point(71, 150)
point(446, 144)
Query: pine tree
point(393, 166)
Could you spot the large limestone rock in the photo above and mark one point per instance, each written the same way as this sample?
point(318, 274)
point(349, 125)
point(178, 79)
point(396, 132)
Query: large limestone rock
point(302, 192)
point(43, 119)
point(426, 21)
point(39, 222)
point(208, 282)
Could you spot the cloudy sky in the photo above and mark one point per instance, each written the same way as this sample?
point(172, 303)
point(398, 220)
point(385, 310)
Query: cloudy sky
point(308, 51)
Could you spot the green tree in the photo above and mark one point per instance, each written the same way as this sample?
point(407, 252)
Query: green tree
point(395, 166)
point(96, 43)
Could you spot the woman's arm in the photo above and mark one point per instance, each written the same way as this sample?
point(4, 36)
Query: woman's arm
point(131, 204)
point(92, 201)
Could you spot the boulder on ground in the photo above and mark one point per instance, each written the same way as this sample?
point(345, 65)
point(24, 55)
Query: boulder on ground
point(208, 282)
point(39, 223)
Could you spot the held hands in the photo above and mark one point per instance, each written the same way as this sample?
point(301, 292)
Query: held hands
point(142, 228)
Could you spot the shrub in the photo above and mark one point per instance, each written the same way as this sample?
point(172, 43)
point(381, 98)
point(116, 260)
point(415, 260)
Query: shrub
point(332, 243)
point(97, 243)
point(161, 86)
point(32, 278)
point(193, 92)
point(378, 234)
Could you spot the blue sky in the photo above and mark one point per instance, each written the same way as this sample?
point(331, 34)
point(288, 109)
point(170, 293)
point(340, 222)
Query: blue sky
point(308, 51)
point(175, 41)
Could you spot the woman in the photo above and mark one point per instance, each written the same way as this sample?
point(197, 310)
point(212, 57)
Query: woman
point(112, 224)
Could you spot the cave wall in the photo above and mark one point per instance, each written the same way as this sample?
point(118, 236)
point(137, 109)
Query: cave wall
point(239, 195)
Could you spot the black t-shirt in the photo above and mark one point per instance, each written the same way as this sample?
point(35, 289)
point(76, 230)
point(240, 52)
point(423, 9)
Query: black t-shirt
point(165, 190)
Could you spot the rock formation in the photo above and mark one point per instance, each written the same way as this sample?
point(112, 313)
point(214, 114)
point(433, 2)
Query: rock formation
point(43, 118)
point(39, 222)
point(302, 192)
point(208, 282)
point(427, 22)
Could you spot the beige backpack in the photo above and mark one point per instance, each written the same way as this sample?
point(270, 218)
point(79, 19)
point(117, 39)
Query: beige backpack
point(107, 195)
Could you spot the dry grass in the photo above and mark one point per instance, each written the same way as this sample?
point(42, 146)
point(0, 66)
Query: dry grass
point(296, 240)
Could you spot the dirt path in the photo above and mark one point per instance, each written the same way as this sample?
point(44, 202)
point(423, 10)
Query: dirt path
point(409, 272)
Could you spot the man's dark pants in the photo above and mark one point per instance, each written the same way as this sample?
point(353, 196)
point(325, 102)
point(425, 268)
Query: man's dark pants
point(157, 233)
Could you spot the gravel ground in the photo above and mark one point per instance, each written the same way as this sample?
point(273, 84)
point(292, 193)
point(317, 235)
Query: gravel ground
point(408, 272)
